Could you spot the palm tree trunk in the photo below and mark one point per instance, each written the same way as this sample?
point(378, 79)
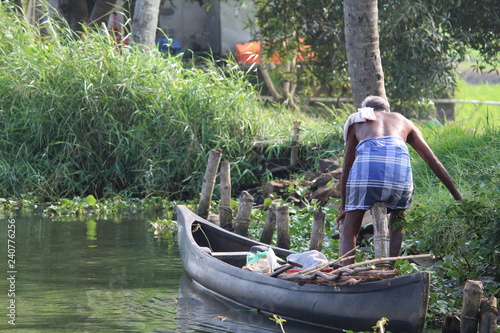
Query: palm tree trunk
point(362, 46)
point(145, 22)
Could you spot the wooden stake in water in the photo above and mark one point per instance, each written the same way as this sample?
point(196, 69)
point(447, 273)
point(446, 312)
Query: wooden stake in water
point(318, 230)
point(207, 187)
point(381, 237)
point(489, 315)
point(282, 224)
point(244, 211)
point(269, 226)
point(225, 212)
point(473, 291)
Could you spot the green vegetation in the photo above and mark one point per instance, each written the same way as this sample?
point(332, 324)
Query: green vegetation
point(477, 115)
point(81, 115)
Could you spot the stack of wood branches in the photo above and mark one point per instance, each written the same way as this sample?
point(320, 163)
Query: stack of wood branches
point(351, 274)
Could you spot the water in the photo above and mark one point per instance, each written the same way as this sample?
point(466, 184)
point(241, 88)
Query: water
point(109, 275)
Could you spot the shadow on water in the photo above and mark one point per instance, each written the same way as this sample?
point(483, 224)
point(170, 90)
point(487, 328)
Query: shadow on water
point(111, 275)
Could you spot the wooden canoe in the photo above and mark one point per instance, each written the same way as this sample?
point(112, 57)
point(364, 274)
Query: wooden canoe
point(213, 258)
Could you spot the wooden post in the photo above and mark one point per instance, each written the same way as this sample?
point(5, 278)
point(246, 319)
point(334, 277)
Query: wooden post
point(381, 235)
point(489, 315)
point(225, 212)
point(207, 187)
point(269, 226)
point(283, 227)
point(341, 231)
point(318, 230)
point(473, 292)
point(451, 323)
point(244, 212)
point(294, 155)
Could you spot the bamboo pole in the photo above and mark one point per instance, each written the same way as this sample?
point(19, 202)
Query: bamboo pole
point(318, 230)
point(473, 291)
point(294, 155)
point(283, 227)
point(269, 226)
point(225, 212)
point(207, 187)
point(489, 315)
point(244, 211)
point(379, 260)
point(319, 267)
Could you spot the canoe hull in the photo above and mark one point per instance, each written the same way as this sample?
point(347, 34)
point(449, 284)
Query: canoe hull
point(402, 300)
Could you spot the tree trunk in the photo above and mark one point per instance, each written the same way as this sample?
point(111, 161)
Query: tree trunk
point(145, 23)
point(101, 11)
point(362, 46)
point(76, 13)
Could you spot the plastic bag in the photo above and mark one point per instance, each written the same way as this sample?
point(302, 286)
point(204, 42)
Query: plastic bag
point(308, 259)
point(264, 262)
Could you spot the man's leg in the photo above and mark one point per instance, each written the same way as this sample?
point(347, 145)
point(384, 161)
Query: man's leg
point(396, 230)
point(352, 226)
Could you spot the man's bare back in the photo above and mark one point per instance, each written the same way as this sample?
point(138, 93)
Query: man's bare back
point(386, 124)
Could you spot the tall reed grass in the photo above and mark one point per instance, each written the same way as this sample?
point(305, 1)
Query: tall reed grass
point(83, 115)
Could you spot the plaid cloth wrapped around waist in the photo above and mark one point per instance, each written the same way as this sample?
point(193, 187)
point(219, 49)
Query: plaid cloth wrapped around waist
point(381, 173)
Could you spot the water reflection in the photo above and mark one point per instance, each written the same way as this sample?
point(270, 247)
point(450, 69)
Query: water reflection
point(114, 275)
point(202, 311)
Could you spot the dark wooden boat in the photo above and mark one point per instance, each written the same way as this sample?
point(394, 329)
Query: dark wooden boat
point(213, 258)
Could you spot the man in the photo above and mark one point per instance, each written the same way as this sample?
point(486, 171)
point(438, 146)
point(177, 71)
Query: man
point(377, 169)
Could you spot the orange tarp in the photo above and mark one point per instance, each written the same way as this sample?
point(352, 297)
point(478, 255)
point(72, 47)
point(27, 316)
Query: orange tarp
point(249, 53)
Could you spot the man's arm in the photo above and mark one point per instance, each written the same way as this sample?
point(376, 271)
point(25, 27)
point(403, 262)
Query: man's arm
point(349, 157)
point(416, 140)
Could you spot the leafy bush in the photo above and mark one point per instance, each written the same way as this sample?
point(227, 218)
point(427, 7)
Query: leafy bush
point(82, 115)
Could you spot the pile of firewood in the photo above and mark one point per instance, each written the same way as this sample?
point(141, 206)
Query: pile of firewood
point(342, 276)
point(349, 275)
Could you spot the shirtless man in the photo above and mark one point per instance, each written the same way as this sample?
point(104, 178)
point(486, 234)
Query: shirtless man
point(377, 169)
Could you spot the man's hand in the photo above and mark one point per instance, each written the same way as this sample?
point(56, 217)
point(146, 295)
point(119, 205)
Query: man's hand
point(341, 216)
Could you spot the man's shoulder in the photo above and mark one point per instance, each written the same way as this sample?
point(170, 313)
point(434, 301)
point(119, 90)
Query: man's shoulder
point(396, 116)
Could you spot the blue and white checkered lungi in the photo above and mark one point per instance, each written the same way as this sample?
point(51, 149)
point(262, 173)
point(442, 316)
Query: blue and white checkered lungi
point(381, 173)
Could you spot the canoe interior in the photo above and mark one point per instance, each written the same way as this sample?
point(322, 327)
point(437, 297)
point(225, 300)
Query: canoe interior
point(215, 240)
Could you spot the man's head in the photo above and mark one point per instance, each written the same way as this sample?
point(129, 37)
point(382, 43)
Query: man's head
point(376, 103)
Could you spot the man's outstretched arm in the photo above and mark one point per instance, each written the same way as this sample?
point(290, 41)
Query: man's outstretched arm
point(416, 140)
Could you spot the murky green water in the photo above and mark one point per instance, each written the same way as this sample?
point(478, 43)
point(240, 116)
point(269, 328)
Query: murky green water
point(109, 275)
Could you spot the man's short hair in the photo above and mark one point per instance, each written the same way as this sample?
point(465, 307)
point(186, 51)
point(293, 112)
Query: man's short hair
point(376, 103)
